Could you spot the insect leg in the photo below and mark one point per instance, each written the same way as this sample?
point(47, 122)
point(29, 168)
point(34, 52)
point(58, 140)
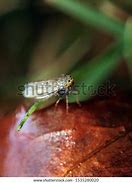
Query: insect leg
point(57, 102)
point(77, 100)
point(67, 107)
point(76, 92)
point(33, 108)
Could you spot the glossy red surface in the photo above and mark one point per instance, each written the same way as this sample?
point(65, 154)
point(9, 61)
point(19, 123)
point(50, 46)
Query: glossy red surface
point(92, 140)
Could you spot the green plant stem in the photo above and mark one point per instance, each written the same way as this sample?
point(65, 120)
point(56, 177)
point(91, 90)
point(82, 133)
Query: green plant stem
point(95, 72)
point(128, 45)
point(33, 108)
point(88, 15)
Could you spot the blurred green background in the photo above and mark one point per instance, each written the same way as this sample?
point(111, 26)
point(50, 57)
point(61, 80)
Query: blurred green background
point(42, 39)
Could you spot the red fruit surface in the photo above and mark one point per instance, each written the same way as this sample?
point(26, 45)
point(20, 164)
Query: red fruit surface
point(92, 140)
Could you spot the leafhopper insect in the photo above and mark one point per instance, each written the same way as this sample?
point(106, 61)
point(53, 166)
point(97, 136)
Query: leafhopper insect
point(43, 90)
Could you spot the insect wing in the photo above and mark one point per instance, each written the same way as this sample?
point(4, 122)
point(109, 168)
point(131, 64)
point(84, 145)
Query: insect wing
point(41, 89)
